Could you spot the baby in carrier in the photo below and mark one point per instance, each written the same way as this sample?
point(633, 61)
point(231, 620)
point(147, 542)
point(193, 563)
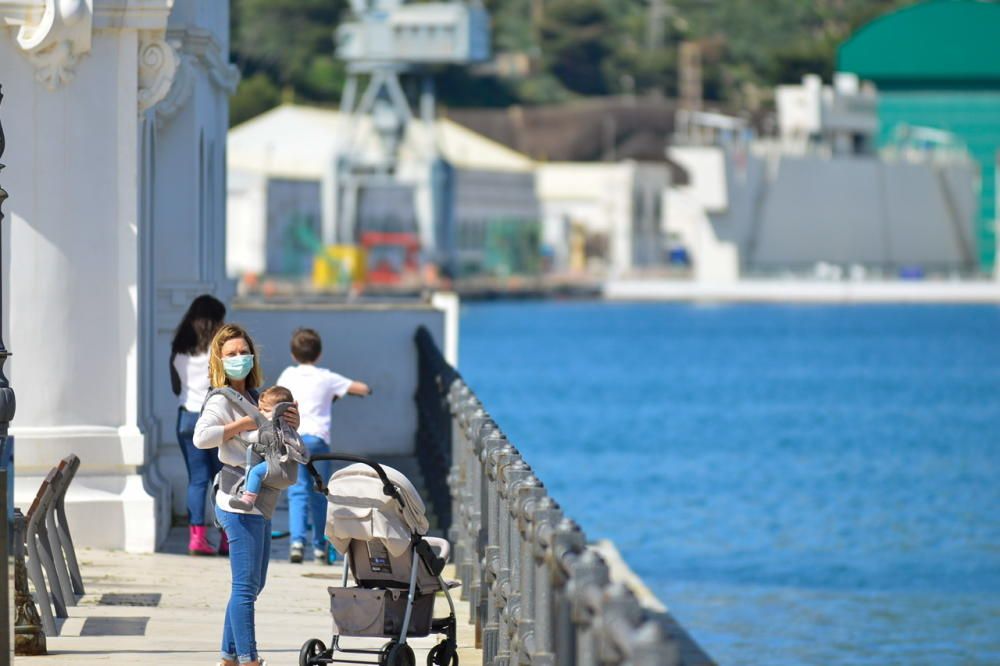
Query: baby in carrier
point(274, 441)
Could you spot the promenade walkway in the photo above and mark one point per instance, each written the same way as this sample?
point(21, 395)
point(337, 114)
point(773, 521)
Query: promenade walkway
point(166, 608)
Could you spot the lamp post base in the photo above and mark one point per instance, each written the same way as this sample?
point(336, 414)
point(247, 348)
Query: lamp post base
point(29, 639)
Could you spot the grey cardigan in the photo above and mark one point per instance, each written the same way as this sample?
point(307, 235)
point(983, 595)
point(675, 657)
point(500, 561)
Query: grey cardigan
point(215, 415)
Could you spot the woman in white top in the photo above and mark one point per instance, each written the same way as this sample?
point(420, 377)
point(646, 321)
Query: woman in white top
point(189, 381)
point(233, 362)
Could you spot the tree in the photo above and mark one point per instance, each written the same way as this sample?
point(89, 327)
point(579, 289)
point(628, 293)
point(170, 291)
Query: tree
point(256, 94)
point(575, 42)
point(285, 48)
point(285, 45)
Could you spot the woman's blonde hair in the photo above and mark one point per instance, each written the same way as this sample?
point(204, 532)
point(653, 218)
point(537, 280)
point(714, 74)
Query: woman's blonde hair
point(216, 371)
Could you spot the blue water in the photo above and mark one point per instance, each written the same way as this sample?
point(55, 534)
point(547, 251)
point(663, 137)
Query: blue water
point(800, 485)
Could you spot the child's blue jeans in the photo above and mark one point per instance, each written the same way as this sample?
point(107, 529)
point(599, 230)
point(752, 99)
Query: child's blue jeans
point(249, 553)
point(303, 500)
point(255, 477)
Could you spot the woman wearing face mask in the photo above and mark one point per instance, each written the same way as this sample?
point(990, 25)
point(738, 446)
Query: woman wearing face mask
point(233, 362)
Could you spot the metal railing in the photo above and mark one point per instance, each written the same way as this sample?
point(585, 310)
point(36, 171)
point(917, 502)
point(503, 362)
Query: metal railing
point(537, 593)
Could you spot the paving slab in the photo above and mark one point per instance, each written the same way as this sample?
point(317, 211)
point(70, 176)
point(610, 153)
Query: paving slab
point(167, 608)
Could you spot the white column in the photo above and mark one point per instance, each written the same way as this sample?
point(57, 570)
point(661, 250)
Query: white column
point(81, 79)
point(622, 183)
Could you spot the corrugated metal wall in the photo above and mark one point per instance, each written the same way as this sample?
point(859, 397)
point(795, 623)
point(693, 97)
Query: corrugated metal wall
point(863, 211)
point(974, 117)
point(937, 64)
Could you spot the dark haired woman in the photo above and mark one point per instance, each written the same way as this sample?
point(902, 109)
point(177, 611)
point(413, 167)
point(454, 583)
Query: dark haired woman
point(190, 382)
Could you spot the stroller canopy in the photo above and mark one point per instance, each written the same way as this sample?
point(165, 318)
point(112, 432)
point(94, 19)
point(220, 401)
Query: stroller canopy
point(359, 509)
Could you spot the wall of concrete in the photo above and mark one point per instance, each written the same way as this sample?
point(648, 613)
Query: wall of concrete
point(370, 343)
point(373, 344)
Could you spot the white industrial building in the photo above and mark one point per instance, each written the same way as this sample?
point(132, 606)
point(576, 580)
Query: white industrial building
point(839, 118)
point(284, 163)
point(818, 199)
point(620, 203)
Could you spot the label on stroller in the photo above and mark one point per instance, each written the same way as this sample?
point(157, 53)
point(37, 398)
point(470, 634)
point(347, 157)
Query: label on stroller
point(378, 557)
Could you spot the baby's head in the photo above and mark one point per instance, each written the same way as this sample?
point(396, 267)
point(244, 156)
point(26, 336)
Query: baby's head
point(271, 397)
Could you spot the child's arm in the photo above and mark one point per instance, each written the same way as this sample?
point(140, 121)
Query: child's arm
point(359, 388)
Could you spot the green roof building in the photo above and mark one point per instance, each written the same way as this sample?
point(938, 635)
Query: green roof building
point(937, 64)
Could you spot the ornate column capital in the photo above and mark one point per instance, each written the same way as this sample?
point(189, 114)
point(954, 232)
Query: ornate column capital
point(166, 80)
point(58, 38)
point(203, 48)
point(55, 34)
point(159, 63)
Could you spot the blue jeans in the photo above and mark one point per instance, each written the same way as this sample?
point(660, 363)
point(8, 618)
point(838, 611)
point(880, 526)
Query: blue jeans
point(249, 553)
point(202, 466)
point(303, 500)
point(255, 477)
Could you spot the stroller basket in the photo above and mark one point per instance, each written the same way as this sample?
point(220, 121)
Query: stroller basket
point(358, 611)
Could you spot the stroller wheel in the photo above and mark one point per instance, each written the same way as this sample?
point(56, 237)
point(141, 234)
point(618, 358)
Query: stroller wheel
point(312, 650)
point(438, 656)
point(397, 654)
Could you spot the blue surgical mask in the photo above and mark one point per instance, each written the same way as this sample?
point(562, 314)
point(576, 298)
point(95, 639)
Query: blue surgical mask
point(238, 367)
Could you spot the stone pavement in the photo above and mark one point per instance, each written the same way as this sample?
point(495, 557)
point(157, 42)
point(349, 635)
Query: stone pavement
point(184, 597)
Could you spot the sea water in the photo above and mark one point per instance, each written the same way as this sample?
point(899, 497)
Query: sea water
point(799, 484)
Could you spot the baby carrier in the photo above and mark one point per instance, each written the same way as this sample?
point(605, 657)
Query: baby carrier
point(377, 521)
point(282, 458)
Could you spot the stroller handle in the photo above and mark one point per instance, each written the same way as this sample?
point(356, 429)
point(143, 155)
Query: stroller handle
point(387, 487)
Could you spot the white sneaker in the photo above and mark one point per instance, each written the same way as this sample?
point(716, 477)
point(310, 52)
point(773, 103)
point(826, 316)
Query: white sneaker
point(296, 553)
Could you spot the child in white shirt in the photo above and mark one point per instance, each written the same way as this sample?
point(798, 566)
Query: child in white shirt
point(315, 389)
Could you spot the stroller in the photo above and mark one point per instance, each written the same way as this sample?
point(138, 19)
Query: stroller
point(375, 519)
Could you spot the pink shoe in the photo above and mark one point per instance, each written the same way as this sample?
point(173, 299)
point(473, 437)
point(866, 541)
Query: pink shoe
point(223, 544)
point(197, 542)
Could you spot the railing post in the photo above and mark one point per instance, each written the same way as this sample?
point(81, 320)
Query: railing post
point(546, 518)
point(457, 481)
point(468, 518)
point(495, 447)
point(480, 427)
point(619, 614)
point(568, 543)
point(589, 576)
point(511, 472)
point(528, 495)
point(512, 611)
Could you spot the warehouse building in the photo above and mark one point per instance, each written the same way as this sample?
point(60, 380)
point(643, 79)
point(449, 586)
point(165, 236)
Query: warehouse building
point(936, 66)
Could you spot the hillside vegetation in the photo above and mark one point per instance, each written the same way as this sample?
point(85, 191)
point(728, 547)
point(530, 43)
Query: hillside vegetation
point(566, 48)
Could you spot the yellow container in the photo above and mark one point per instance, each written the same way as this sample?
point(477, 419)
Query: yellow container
point(339, 266)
